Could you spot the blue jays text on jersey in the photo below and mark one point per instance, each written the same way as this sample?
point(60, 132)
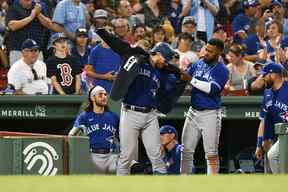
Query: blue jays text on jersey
point(143, 90)
point(100, 128)
point(217, 74)
point(275, 107)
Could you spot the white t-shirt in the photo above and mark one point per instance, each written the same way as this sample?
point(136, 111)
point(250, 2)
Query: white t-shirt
point(21, 77)
point(186, 59)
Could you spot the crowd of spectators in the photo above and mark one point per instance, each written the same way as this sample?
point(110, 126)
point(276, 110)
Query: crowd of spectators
point(61, 35)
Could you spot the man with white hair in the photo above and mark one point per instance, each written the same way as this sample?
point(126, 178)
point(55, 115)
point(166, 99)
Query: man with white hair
point(101, 126)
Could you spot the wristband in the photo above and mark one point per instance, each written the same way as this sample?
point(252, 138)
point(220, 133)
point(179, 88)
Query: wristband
point(259, 141)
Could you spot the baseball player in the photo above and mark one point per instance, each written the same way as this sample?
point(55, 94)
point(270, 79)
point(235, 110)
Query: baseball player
point(141, 76)
point(207, 77)
point(172, 150)
point(275, 105)
point(101, 126)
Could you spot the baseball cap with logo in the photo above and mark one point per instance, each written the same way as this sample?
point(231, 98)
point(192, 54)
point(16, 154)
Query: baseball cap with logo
point(250, 3)
point(29, 44)
point(81, 31)
point(165, 49)
point(272, 68)
point(57, 36)
point(100, 13)
point(189, 19)
point(168, 129)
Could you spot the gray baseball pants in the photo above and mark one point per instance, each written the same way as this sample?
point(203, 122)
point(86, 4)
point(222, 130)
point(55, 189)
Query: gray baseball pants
point(104, 163)
point(206, 123)
point(132, 125)
point(273, 156)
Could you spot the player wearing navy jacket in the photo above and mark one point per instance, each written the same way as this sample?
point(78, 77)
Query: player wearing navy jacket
point(275, 106)
point(101, 126)
point(172, 150)
point(208, 77)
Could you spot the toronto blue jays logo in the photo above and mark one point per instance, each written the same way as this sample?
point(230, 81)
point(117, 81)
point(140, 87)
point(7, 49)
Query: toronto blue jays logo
point(284, 116)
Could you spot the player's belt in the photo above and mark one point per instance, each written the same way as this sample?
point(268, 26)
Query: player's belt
point(138, 109)
point(100, 151)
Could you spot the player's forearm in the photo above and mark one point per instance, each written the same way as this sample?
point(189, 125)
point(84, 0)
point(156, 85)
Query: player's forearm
point(74, 131)
point(251, 58)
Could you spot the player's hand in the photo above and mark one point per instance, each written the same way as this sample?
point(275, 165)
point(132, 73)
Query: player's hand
point(259, 153)
point(185, 77)
point(266, 145)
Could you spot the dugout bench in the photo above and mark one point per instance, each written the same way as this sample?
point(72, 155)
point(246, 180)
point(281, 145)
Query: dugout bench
point(54, 114)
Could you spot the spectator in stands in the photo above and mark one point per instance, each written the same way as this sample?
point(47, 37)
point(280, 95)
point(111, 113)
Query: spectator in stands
point(253, 45)
point(100, 18)
point(122, 29)
point(275, 46)
point(189, 26)
point(63, 69)
point(103, 66)
point(26, 19)
point(82, 51)
point(240, 70)
point(176, 10)
point(241, 25)
point(28, 75)
point(153, 11)
point(187, 57)
point(138, 32)
point(126, 11)
point(278, 12)
point(158, 35)
point(90, 9)
point(204, 11)
point(68, 16)
point(169, 31)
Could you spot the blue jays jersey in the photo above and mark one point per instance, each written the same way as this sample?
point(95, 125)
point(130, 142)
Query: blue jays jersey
point(172, 160)
point(143, 90)
point(217, 74)
point(275, 106)
point(101, 129)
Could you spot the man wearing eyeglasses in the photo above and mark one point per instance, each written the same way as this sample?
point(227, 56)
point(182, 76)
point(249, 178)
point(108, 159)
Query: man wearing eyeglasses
point(28, 75)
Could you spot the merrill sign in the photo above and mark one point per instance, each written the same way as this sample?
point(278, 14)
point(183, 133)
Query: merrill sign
point(38, 111)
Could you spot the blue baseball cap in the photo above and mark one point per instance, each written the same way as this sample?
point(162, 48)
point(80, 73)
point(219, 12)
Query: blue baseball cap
point(275, 3)
point(272, 68)
point(165, 49)
point(29, 44)
point(250, 3)
point(168, 129)
point(56, 36)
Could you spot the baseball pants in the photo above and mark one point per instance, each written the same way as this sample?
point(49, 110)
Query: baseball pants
point(132, 125)
point(104, 163)
point(273, 156)
point(206, 124)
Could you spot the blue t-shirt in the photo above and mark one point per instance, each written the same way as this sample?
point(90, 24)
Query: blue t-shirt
point(241, 22)
point(172, 159)
point(217, 74)
point(275, 106)
point(252, 44)
point(69, 15)
point(82, 58)
point(143, 90)
point(101, 129)
point(103, 61)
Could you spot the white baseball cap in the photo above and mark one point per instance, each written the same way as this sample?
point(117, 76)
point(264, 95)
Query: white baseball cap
point(100, 13)
point(96, 89)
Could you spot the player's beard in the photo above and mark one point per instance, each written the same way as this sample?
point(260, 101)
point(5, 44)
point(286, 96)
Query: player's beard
point(269, 84)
